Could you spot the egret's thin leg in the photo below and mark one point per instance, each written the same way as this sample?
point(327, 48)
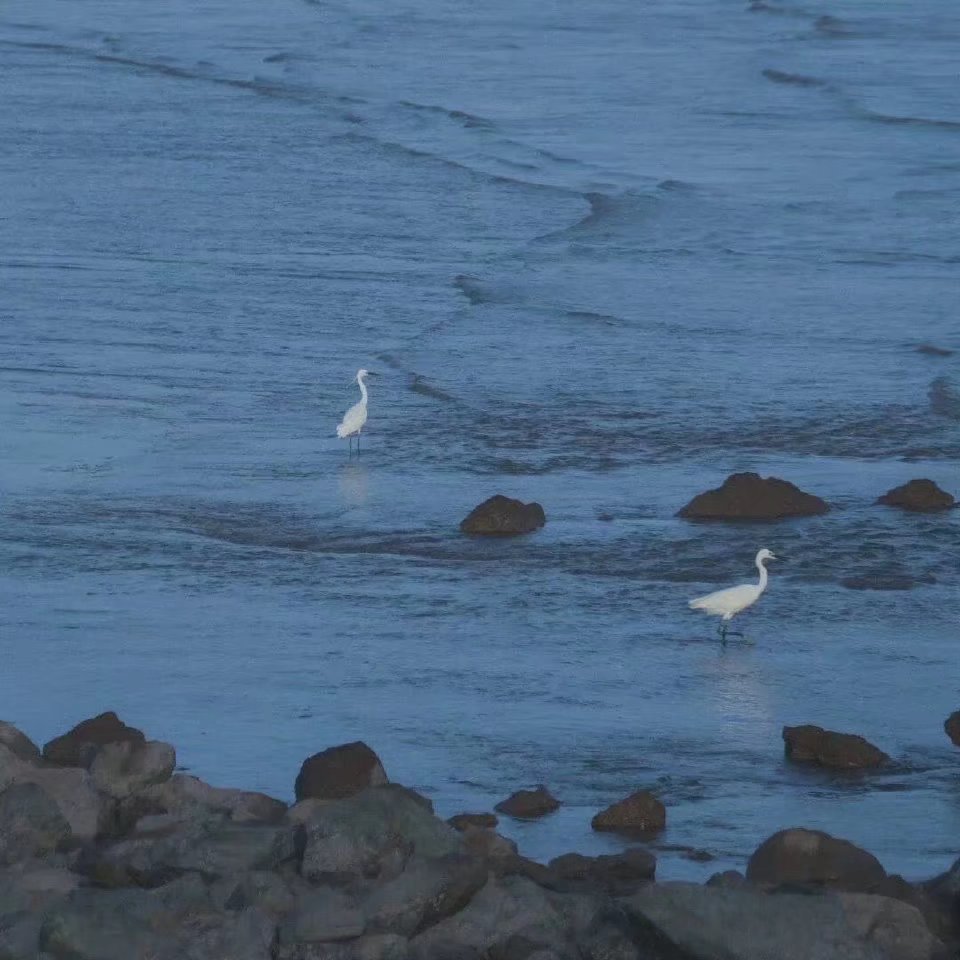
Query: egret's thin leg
point(358, 443)
point(350, 448)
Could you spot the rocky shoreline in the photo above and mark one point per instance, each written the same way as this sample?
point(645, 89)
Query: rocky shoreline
point(108, 853)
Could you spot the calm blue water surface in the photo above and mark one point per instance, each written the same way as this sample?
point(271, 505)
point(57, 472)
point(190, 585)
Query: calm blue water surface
point(601, 255)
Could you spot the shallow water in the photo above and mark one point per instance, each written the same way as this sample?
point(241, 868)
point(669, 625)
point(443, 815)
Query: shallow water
point(601, 255)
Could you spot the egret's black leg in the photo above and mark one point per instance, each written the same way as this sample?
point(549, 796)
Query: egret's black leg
point(358, 443)
point(722, 629)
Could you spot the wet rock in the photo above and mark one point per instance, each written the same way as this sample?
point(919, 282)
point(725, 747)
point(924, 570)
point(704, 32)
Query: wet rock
point(73, 791)
point(339, 772)
point(322, 913)
point(19, 744)
point(617, 874)
point(187, 796)
point(503, 909)
point(528, 804)
point(462, 821)
point(125, 767)
point(501, 516)
point(640, 813)
point(31, 824)
point(425, 893)
point(487, 844)
point(210, 849)
point(78, 746)
point(748, 496)
point(839, 751)
point(375, 946)
point(810, 857)
point(727, 878)
point(745, 924)
point(373, 834)
point(918, 496)
point(263, 889)
point(932, 350)
point(952, 727)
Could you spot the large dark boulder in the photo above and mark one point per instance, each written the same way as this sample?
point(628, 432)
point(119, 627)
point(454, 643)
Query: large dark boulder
point(748, 496)
point(502, 517)
point(528, 804)
point(339, 772)
point(918, 496)
point(840, 751)
point(640, 813)
point(78, 747)
point(812, 858)
point(952, 727)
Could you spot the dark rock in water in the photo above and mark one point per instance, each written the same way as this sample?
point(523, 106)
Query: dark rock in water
point(339, 772)
point(810, 857)
point(918, 496)
point(617, 874)
point(373, 834)
point(502, 517)
point(933, 351)
point(463, 820)
point(31, 824)
point(727, 878)
point(77, 747)
point(705, 923)
point(19, 744)
point(528, 804)
point(640, 813)
point(748, 496)
point(952, 727)
point(839, 751)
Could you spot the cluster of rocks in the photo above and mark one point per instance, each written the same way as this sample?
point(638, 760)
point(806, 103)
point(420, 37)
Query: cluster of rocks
point(742, 496)
point(108, 853)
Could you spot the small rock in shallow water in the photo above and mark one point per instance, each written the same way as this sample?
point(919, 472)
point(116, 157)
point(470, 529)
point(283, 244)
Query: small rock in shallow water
point(918, 496)
point(339, 772)
point(501, 516)
point(528, 804)
point(641, 813)
point(840, 751)
point(952, 727)
point(461, 821)
point(748, 496)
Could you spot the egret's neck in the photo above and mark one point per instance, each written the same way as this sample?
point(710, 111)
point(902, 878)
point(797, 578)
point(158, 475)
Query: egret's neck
point(763, 576)
point(363, 390)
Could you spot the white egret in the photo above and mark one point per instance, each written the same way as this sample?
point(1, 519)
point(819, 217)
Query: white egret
point(356, 416)
point(726, 604)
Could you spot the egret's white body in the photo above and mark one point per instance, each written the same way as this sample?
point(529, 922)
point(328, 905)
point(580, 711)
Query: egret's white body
point(356, 416)
point(726, 604)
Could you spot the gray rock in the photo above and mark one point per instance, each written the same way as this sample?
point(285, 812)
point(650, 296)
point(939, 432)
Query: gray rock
point(322, 914)
point(263, 889)
point(487, 844)
point(464, 821)
point(31, 823)
point(727, 878)
point(423, 894)
point(72, 790)
point(373, 834)
point(502, 909)
point(119, 769)
point(209, 848)
point(811, 857)
point(177, 922)
point(746, 924)
point(186, 795)
point(339, 772)
point(79, 746)
point(19, 744)
point(616, 874)
point(375, 946)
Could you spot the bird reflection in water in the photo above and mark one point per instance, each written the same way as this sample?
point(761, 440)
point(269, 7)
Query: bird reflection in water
point(353, 479)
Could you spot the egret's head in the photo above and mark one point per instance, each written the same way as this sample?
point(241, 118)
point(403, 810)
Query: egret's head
point(362, 372)
point(765, 554)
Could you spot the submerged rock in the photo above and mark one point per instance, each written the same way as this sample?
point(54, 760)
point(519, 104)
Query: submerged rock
point(640, 813)
point(529, 804)
point(811, 857)
point(918, 496)
point(502, 517)
point(748, 496)
point(77, 747)
point(339, 772)
point(839, 751)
